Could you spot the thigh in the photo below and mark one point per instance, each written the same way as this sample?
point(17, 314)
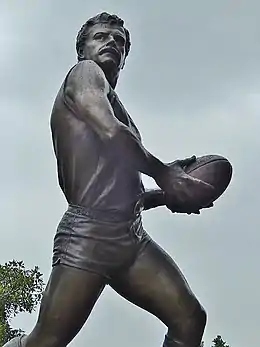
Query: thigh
point(155, 283)
point(67, 302)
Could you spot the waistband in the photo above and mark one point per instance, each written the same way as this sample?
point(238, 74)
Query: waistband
point(107, 215)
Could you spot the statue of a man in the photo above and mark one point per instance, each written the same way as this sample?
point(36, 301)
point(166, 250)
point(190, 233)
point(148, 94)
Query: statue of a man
point(100, 240)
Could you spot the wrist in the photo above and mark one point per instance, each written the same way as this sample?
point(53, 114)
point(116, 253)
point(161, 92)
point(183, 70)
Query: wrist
point(154, 198)
point(161, 175)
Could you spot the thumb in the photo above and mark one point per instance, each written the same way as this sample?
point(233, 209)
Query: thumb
point(187, 161)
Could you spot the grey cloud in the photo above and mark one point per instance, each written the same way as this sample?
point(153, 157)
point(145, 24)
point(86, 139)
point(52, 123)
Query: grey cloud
point(191, 82)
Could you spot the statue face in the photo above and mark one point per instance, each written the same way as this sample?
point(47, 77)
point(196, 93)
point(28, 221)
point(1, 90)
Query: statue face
point(105, 44)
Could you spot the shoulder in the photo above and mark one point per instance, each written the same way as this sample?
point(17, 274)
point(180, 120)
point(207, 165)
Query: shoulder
point(87, 75)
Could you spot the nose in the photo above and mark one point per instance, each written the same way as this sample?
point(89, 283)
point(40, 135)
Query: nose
point(111, 41)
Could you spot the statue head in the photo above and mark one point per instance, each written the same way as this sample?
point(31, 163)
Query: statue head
point(105, 40)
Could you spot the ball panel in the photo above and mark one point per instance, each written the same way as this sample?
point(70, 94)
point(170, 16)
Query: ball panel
point(213, 169)
point(204, 160)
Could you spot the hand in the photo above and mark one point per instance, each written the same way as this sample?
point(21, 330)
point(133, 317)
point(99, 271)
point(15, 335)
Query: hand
point(177, 209)
point(184, 194)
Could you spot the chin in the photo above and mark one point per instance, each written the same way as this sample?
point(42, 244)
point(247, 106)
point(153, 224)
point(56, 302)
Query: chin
point(109, 65)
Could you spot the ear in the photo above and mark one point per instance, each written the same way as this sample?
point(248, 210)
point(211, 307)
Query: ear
point(123, 64)
point(81, 55)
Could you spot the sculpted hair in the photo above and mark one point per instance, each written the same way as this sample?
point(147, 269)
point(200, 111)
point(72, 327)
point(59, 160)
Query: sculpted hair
point(103, 17)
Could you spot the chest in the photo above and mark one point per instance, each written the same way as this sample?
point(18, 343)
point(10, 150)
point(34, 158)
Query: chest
point(121, 113)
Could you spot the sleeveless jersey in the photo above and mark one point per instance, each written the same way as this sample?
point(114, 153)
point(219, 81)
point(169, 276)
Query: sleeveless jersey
point(89, 175)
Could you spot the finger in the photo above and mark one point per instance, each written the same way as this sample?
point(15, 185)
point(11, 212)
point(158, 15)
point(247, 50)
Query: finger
point(179, 207)
point(188, 211)
point(187, 161)
point(209, 206)
point(175, 208)
point(197, 212)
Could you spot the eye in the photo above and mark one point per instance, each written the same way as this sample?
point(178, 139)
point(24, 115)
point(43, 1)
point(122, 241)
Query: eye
point(120, 39)
point(100, 36)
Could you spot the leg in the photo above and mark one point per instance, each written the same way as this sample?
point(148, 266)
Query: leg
point(67, 302)
point(155, 283)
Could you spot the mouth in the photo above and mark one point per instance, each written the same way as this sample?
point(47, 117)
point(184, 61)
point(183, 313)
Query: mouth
point(111, 51)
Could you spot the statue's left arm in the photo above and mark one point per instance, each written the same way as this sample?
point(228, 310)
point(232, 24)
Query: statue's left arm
point(153, 198)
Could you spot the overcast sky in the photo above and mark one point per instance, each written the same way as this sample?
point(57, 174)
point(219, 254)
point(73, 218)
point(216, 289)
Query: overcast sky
point(192, 84)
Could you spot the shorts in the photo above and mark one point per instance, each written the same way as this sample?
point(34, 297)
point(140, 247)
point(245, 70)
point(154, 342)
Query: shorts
point(104, 242)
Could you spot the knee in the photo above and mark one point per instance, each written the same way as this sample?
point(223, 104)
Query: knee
point(200, 317)
point(195, 322)
point(189, 326)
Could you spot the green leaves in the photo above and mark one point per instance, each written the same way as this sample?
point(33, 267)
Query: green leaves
point(217, 342)
point(20, 291)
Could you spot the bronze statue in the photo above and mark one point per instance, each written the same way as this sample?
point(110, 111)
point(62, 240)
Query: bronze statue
point(100, 240)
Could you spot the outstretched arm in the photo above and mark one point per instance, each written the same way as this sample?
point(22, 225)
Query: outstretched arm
point(86, 93)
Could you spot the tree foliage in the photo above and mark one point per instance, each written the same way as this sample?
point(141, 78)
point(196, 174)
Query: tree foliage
point(20, 291)
point(217, 342)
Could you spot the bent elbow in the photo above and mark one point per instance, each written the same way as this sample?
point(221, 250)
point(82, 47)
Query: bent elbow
point(94, 109)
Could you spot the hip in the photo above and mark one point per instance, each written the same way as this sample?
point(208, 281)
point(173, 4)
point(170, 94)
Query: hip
point(101, 241)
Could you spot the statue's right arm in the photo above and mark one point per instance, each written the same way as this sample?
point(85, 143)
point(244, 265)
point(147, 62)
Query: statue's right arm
point(86, 93)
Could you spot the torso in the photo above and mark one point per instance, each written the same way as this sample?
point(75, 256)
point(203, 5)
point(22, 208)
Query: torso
point(88, 174)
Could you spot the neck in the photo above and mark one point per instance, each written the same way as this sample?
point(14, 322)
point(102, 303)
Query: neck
point(111, 77)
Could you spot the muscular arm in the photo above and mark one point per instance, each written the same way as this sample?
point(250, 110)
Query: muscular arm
point(86, 93)
point(153, 198)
